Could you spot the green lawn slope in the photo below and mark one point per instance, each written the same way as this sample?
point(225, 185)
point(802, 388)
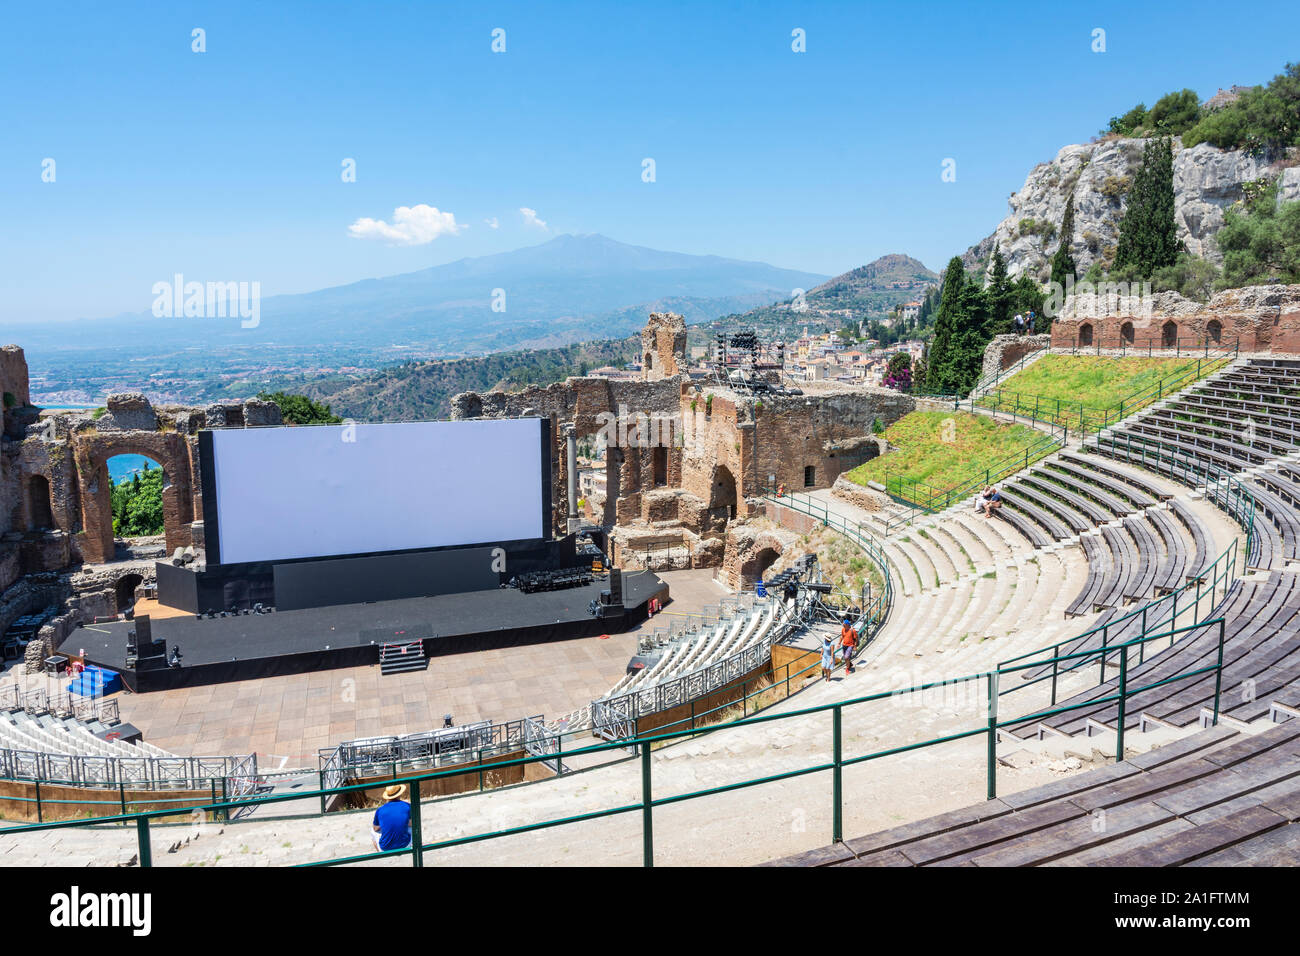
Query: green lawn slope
point(1087, 390)
point(940, 455)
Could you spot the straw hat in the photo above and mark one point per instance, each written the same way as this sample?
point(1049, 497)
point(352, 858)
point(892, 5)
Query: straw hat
point(395, 792)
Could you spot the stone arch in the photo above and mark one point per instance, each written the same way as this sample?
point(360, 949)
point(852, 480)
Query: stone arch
point(1126, 333)
point(124, 590)
point(1214, 329)
point(169, 450)
point(40, 510)
point(1085, 334)
point(755, 566)
point(722, 492)
point(649, 361)
point(1169, 334)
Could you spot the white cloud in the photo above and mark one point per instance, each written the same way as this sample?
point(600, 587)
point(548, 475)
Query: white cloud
point(530, 218)
point(411, 226)
point(492, 223)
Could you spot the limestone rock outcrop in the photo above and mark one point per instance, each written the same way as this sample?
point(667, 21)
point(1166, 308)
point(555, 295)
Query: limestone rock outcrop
point(1207, 180)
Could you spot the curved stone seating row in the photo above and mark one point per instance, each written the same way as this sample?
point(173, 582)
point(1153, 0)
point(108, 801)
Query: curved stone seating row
point(1134, 551)
point(1215, 798)
point(970, 590)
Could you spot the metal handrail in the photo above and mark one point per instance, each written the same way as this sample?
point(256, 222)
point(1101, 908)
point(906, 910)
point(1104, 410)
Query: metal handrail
point(986, 383)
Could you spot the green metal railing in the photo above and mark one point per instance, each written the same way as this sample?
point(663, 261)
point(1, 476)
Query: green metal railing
point(987, 725)
point(986, 383)
point(1222, 574)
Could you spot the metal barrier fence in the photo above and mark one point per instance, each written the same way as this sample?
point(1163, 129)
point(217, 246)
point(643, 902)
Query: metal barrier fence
point(38, 700)
point(987, 725)
point(614, 717)
point(457, 744)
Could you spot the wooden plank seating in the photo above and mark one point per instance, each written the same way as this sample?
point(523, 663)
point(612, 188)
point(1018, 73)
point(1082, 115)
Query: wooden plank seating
point(1279, 426)
point(1094, 468)
point(1260, 629)
point(1054, 528)
point(1123, 563)
point(1049, 504)
point(1099, 632)
point(1111, 495)
point(1268, 441)
point(1280, 526)
point(1041, 483)
point(1202, 558)
point(1229, 456)
point(1030, 531)
point(1142, 580)
point(1097, 570)
point(1173, 567)
point(1213, 796)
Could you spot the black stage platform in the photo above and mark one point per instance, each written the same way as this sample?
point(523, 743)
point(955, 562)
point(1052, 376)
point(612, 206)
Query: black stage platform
point(348, 635)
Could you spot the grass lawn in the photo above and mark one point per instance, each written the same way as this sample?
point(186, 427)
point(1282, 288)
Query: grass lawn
point(942, 455)
point(1089, 388)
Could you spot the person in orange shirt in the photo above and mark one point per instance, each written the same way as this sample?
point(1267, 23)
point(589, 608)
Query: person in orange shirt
point(848, 641)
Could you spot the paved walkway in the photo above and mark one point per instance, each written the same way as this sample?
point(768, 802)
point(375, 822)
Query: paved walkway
point(286, 720)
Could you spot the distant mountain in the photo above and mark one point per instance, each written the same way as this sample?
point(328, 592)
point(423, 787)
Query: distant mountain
point(567, 290)
point(877, 286)
point(862, 294)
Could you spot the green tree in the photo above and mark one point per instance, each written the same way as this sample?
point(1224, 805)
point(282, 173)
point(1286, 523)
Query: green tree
point(1260, 242)
point(1148, 233)
point(1027, 296)
point(1175, 113)
point(137, 504)
point(939, 375)
point(1261, 119)
point(999, 296)
point(1131, 121)
point(1063, 262)
point(301, 410)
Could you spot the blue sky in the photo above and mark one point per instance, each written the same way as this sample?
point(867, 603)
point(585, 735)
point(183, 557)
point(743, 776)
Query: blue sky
point(225, 165)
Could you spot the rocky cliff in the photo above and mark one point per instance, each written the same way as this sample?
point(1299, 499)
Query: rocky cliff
point(1206, 181)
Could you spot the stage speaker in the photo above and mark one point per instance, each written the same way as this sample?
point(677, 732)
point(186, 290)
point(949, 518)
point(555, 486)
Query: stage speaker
point(143, 629)
point(615, 586)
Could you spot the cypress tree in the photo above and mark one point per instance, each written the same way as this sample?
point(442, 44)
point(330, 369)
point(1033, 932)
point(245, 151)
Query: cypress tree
point(1063, 262)
point(999, 296)
point(1148, 234)
point(939, 376)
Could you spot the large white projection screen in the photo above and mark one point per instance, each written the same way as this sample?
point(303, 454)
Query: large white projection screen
point(322, 490)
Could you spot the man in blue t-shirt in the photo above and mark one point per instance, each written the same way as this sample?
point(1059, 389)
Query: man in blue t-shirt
point(391, 827)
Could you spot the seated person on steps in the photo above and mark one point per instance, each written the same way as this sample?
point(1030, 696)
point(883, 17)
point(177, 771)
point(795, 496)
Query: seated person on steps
point(989, 501)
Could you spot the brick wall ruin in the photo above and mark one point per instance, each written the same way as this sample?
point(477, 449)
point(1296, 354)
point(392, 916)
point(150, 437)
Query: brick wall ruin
point(56, 521)
point(1256, 319)
point(685, 458)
